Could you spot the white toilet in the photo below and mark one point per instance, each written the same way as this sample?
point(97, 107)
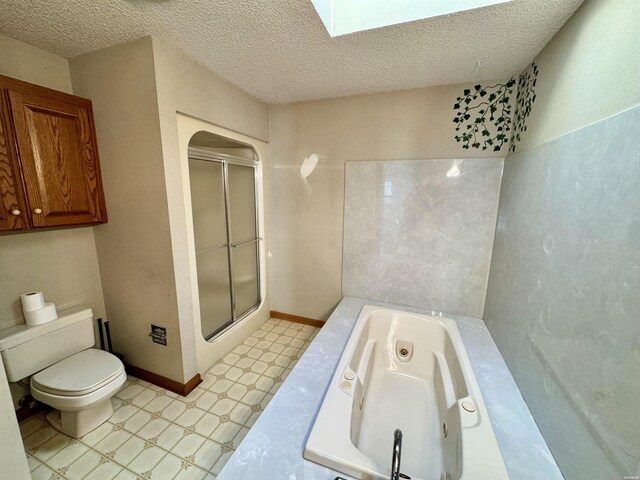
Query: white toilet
point(70, 376)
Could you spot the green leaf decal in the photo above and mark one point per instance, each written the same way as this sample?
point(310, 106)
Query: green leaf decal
point(481, 112)
point(524, 103)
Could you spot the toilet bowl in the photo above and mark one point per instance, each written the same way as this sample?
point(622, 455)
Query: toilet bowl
point(69, 375)
point(80, 388)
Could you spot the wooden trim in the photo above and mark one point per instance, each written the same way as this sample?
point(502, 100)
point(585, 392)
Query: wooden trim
point(297, 319)
point(31, 88)
point(180, 388)
point(191, 384)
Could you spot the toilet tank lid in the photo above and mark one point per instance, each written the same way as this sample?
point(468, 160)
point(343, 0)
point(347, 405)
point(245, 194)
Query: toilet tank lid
point(19, 334)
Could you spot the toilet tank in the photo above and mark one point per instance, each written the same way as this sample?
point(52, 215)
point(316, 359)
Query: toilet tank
point(27, 350)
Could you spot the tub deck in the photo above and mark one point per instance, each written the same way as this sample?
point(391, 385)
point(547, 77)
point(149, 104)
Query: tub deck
point(273, 447)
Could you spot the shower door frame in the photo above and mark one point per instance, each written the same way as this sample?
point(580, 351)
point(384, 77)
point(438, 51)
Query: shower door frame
point(225, 159)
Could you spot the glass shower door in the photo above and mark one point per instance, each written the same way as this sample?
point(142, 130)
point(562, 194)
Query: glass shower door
point(243, 238)
point(223, 199)
point(210, 236)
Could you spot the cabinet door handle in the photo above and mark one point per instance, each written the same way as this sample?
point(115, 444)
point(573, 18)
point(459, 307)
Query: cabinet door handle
point(15, 212)
point(37, 210)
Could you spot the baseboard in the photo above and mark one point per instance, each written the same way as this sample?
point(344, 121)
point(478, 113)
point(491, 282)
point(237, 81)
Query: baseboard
point(297, 319)
point(180, 388)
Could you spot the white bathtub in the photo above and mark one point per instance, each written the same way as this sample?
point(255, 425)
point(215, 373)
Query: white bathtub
point(407, 371)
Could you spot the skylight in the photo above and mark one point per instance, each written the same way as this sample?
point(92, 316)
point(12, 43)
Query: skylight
point(347, 16)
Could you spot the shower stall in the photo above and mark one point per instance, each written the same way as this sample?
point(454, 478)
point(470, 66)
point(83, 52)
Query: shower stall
point(223, 177)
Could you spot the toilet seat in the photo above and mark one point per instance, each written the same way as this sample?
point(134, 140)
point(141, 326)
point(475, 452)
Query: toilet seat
point(79, 381)
point(79, 374)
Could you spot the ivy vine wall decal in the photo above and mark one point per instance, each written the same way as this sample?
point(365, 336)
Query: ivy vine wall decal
point(483, 116)
point(524, 101)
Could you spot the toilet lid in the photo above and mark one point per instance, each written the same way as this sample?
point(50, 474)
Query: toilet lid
point(79, 374)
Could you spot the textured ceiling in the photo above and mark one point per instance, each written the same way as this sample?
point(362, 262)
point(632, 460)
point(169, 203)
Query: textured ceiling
point(279, 50)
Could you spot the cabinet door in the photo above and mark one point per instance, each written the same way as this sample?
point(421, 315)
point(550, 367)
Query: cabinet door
point(59, 158)
point(13, 211)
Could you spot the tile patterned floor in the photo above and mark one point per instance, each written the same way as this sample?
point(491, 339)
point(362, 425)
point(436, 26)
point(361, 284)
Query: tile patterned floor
point(156, 434)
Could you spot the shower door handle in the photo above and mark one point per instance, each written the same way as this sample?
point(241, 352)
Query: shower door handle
point(234, 245)
point(224, 245)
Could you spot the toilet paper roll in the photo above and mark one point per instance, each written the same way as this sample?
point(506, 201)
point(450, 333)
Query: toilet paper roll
point(42, 315)
point(32, 301)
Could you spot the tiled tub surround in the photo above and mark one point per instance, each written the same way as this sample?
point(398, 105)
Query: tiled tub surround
point(563, 301)
point(272, 449)
point(420, 232)
point(156, 434)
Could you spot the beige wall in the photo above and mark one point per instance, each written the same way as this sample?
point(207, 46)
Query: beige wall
point(306, 216)
point(61, 263)
point(134, 248)
point(13, 460)
point(588, 71)
point(188, 87)
point(137, 89)
point(215, 105)
point(31, 64)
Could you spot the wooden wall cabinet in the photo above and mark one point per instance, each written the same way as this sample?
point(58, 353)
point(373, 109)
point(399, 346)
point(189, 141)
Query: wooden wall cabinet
point(49, 167)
